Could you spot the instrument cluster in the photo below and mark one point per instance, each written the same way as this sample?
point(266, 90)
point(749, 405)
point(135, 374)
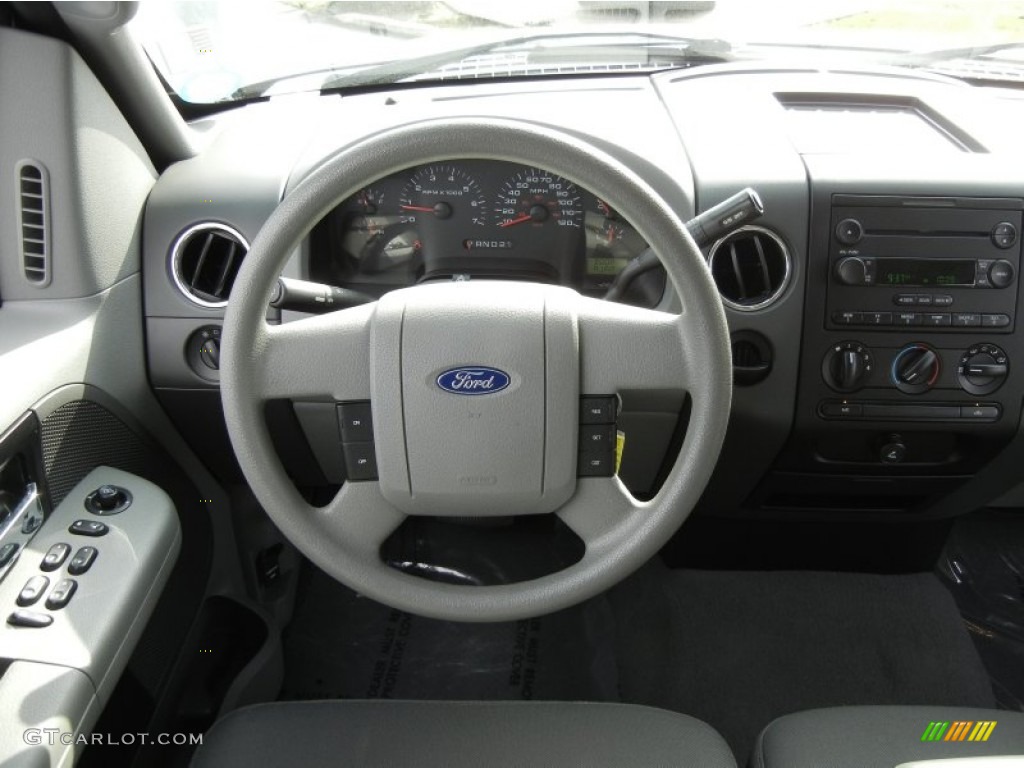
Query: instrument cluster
point(473, 219)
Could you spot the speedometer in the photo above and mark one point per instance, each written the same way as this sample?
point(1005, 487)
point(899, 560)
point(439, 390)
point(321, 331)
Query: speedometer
point(536, 198)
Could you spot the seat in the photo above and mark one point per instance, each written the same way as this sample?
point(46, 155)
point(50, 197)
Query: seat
point(426, 734)
point(886, 737)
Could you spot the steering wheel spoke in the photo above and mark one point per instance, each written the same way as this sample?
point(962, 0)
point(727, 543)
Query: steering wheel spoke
point(626, 348)
point(360, 519)
point(324, 355)
point(599, 507)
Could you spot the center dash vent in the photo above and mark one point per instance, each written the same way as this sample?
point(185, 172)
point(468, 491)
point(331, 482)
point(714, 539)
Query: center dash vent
point(205, 260)
point(34, 222)
point(751, 268)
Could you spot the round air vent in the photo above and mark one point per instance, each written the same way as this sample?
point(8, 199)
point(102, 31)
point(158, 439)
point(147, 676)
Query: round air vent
point(205, 260)
point(751, 268)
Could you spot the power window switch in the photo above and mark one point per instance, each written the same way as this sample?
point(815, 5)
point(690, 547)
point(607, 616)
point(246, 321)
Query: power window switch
point(82, 561)
point(33, 590)
point(360, 461)
point(61, 594)
point(55, 557)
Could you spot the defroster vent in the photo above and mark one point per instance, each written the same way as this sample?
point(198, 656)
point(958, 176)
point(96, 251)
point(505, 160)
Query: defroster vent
point(751, 268)
point(205, 260)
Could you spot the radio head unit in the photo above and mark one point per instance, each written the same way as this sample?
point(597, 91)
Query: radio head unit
point(941, 263)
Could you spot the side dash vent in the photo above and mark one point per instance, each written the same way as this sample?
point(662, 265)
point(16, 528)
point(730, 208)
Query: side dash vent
point(751, 268)
point(205, 260)
point(34, 222)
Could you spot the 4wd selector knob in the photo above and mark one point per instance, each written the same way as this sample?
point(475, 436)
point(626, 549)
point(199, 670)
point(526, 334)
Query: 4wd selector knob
point(846, 366)
point(982, 369)
point(915, 369)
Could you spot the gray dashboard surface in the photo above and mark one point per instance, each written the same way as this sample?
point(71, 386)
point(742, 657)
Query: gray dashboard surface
point(695, 137)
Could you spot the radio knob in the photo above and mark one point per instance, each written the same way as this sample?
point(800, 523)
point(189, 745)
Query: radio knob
point(916, 369)
point(983, 369)
point(1000, 274)
point(846, 366)
point(852, 271)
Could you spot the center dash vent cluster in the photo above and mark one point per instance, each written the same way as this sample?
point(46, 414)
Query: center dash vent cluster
point(751, 268)
point(205, 260)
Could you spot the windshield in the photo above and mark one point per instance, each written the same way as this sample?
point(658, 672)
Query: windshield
point(223, 51)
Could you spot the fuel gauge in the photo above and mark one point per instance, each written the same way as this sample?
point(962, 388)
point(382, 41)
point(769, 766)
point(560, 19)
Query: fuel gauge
point(369, 200)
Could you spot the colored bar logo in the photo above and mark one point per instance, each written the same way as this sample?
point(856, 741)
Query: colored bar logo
point(959, 730)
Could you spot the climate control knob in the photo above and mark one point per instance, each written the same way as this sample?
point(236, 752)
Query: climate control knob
point(982, 369)
point(846, 366)
point(916, 368)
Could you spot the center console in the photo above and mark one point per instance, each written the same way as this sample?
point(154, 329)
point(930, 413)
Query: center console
point(938, 277)
point(909, 377)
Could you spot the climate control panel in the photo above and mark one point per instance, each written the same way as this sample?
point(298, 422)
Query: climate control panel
point(914, 369)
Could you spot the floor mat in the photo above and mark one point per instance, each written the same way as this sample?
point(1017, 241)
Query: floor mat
point(983, 568)
point(737, 649)
point(344, 646)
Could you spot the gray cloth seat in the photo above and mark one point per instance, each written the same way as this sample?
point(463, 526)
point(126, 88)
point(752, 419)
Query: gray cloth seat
point(882, 737)
point(451, 734)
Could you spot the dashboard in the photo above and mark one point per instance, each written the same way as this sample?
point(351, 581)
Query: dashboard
point(467, 219)
point(878, 357)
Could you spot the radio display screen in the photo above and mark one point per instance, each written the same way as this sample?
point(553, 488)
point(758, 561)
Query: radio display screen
point(925, 272)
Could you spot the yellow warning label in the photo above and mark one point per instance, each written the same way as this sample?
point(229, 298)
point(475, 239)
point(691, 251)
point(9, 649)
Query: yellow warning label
point(620, 445)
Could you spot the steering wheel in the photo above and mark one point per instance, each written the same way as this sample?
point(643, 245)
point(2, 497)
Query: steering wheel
point(506, 452)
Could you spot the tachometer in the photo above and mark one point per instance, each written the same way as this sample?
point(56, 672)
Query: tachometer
point(442, 192)
point(536, 198)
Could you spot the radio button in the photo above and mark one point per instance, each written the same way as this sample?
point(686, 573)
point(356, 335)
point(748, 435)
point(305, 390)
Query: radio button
point(936, 319)
point(907, 318)
point(995, 321)
point(923, 299)
point(904, 299)
point(876, 318)
point(850, 231)
point(847, 318)
point(1000, 274)
point(967, 320)
point(942, 300)
point(1004, 235)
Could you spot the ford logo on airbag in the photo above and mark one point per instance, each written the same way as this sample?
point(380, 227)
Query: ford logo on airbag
point(475, 380)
